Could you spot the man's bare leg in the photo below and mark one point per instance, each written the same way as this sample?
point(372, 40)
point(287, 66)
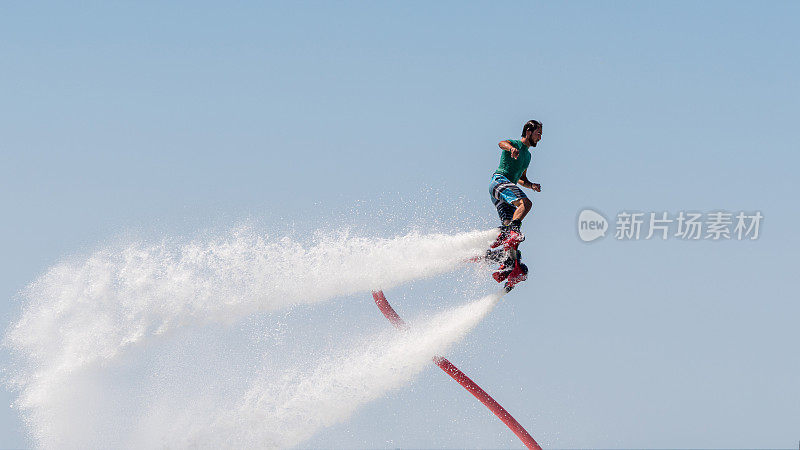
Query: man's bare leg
point(510, 234)
point(523, 207)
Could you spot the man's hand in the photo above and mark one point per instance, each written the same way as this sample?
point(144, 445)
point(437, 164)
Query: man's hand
point(507, 147)
point(525, 182)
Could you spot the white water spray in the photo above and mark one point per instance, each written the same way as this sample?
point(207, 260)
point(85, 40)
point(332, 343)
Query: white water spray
point(82, 316)
point(283, 410)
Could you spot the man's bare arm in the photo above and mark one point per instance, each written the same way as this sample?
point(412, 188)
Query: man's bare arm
point(525, 182)
point(506, 146)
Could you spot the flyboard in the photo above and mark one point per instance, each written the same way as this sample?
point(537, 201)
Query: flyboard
point(512, 271)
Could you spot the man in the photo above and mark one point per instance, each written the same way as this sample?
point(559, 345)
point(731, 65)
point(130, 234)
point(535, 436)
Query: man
point(511, 203)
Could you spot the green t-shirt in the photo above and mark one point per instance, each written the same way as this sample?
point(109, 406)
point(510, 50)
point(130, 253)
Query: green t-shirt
point(512, 168)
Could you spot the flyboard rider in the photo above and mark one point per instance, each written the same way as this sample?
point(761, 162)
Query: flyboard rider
point(512, 204)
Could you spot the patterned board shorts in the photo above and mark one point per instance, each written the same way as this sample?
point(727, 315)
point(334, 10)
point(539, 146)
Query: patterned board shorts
point(504, 193)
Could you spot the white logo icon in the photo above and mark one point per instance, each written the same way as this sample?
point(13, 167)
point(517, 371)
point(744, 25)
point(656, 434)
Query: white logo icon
point(591, 225)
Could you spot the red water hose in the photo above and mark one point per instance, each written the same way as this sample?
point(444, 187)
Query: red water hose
point(461, 378)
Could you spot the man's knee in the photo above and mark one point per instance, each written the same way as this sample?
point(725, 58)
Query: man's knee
point(524, 203)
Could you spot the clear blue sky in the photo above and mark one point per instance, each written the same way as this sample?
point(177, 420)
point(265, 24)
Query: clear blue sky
point(169, 119)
